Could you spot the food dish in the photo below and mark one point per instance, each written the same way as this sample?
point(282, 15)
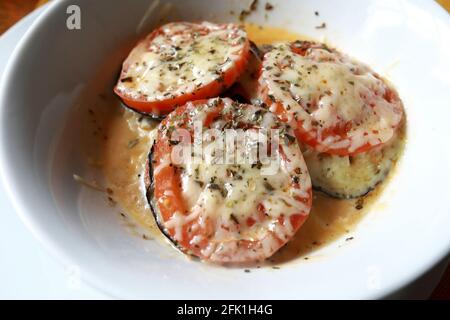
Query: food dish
point(228, 212)
point(77, 225)
point(346, 119)
point(180, 62)
point(336, 105)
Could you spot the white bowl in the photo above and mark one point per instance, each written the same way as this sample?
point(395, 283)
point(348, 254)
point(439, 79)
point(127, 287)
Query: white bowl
point(399, 240)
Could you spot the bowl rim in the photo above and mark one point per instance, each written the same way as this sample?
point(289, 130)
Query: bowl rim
point(51, 245)
point(58, 251)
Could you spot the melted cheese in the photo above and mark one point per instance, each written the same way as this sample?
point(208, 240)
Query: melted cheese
point(181, 58)
point(245, 193)
point(227, 194)
point(325, 89)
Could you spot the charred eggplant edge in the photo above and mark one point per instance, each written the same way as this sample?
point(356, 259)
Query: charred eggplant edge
point(149, 194)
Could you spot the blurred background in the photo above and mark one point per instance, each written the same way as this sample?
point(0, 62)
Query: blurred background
point(13, 10)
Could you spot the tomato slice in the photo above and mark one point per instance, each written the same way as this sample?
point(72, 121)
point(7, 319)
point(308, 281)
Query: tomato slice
point(335, 104)
point(180, 62)
point(246, 86)
point(228, 211)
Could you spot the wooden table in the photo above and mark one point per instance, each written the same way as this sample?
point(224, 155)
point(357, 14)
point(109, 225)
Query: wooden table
point(12, 10)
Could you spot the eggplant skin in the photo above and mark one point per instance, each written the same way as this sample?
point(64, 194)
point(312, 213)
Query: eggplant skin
point(145, 114)
point(149, 186)
point(349, 177)
point(258, 51)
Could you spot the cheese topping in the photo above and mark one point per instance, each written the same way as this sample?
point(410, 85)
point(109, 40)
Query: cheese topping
point(243, 199)
point(180, 58)
point(339, 101)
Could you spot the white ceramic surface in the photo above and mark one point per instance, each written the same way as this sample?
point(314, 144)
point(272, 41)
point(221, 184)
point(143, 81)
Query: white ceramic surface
point(27, 270)
point(407, 41)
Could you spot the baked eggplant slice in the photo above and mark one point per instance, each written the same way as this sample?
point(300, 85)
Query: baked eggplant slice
point(224, 212)
point(180, 62)
point(349, 177)
point(335, 104)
